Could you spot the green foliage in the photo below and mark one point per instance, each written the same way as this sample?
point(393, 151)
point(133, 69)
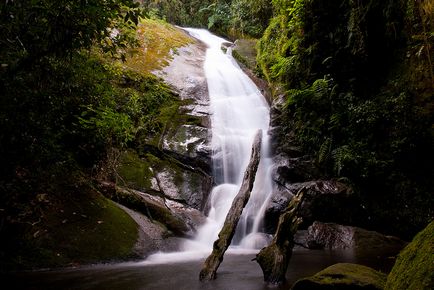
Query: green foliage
point(45, 27)
point(109, 125)
point(250, 17)
point(227, 17)
point(64, 105)
point(358, 83)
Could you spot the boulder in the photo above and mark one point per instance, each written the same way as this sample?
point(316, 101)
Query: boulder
point(188, 187)
point(343, 276)
point(334, 236)
point(414, 268)
point(153, 207)
point(166, 177)
point(293, 170)
point(192, 217)
point(325, 200)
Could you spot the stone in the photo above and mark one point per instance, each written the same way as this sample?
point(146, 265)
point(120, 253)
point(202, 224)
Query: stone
point(192, 217)
point(191, 144)
point(414, 268)
point(185, 186)
point(153, 207)
point(328, 200)
point(343, 276)
point(334, 236)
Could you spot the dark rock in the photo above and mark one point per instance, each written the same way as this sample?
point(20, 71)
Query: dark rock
point(293, 170)
point(334, 236)
point(193, 218)
point(343, 276)
point(184, 186)
point(277, 204)
point(325, 200)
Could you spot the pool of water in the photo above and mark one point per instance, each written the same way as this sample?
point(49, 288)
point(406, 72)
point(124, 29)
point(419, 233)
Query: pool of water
point(237, 272)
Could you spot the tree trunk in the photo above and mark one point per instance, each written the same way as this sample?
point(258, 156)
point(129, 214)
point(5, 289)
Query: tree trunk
point(274, 258)
point(220, 246)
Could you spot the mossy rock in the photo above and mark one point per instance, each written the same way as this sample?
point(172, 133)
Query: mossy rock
point(81, 228)
point(245, 52)
point(414, 268)
point(134, 171)
point(343, 276)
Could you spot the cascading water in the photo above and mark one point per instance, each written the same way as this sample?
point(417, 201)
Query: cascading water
point(238, 111)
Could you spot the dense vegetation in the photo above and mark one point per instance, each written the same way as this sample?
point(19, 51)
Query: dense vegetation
point(357, 81)
point(228, 17)
point(68, 106)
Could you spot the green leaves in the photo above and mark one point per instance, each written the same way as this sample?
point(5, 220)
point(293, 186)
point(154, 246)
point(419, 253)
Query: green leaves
point(109, 125)
point(46, 28)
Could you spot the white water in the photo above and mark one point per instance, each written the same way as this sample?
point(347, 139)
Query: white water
point(238, 111)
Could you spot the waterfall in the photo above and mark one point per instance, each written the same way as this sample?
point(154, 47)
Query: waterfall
point(238, 110)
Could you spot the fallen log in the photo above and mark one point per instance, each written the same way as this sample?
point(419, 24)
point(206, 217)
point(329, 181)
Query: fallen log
point(274, 258)
point(226, 234)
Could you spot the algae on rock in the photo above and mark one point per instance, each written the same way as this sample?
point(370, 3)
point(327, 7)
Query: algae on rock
point(414, 268)
point(343, 276)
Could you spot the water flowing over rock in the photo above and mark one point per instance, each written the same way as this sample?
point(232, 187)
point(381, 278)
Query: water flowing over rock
point(238, 111)
point(209, 270)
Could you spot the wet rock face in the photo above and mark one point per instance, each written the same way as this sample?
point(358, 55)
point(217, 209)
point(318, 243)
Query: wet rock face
point(169, 181)
point(191, 144)
point(184, 186)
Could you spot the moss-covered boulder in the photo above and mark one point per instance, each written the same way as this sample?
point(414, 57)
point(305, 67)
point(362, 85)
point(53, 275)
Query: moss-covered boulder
point(78, 226)
point(343, 276)
point(414, 268)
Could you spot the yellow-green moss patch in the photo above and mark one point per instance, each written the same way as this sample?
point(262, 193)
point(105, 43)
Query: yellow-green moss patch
point(158, 42)
point(343, 276)
point(414, 268)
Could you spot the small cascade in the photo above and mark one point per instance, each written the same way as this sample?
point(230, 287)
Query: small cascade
point(238, 111)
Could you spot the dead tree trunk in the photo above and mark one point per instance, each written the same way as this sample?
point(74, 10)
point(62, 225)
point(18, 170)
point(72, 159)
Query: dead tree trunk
point(220, 246)
point(274, 258)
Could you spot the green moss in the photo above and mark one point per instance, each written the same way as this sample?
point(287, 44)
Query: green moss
point(158, 42)
point(343, 276)
point(82, 229)
point(134, 171)
point(245, 52)
point(414, 268)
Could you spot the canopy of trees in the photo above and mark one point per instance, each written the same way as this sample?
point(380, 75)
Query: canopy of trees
point(227, 17)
